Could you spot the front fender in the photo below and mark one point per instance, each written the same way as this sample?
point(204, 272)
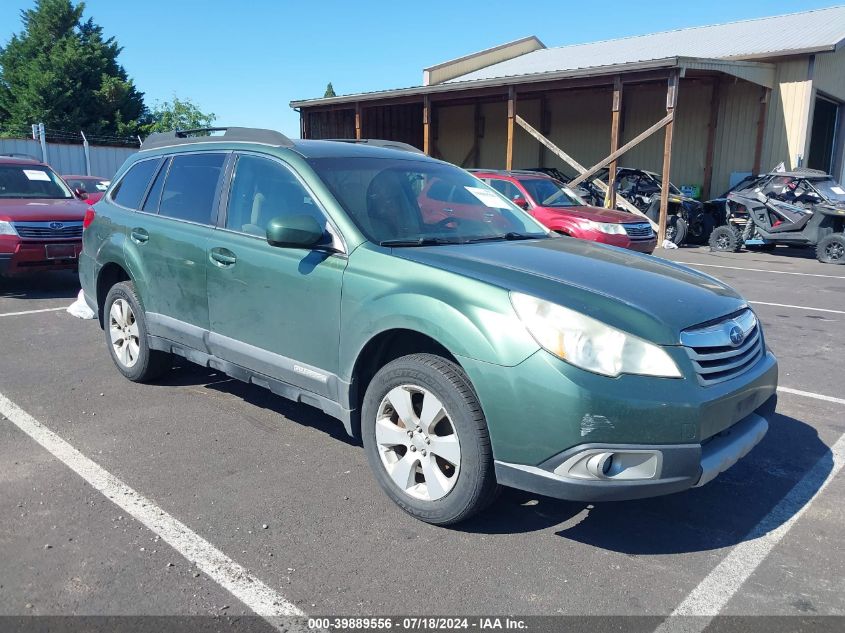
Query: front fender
point(469, 318)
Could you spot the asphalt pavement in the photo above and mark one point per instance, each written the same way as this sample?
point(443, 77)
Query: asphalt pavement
point(281, 491)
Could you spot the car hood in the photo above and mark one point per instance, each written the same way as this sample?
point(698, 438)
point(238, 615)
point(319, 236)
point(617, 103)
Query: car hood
point(42, 210)
point(650, 297)
point(596, 214)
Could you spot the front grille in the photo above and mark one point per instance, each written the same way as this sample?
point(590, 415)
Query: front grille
point(639, 231)
point(49, 230)
point(715, 356)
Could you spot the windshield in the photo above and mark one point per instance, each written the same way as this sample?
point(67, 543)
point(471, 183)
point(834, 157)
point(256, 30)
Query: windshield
point(659, 180)
point(31, 181)
point(830, 189)
point(550, 193)
point(88, 185)
point(421, 202)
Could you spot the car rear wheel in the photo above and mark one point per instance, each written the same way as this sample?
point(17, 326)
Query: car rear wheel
point(831, 250)
point(724, 239)
point(426, 439)
point(126, 336)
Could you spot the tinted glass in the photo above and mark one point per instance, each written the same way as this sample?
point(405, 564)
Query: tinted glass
point(548, 193)
point(153, 197)
point(88, 185)
point(132, 186)
point(190, 187)
point(506, 188)
point(392, 199)
point(262, 190)
point(31, 181)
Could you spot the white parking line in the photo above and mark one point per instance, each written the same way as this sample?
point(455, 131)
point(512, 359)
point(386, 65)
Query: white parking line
point(787, 305)
point(762, 270)
point(33, 311)
point(810, 394)
point(227, 573)
point(711, 595)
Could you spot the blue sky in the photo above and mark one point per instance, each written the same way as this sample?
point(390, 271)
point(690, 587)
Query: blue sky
point(246, 60)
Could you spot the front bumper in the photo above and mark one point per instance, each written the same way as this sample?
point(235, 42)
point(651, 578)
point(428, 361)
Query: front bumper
point(21, 257)
point(623, 241)
point(643, 470)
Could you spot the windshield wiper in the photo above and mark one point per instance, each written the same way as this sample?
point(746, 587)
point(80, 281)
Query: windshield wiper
point(422, 241)
point(510, 236)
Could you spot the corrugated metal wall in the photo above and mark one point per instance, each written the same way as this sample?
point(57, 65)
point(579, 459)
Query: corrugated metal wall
point(70, 159)
point(829, 74)
point(788, 114)
point(736, 132)
point(454, 134)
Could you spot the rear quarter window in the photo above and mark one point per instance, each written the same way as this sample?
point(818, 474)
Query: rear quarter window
point(130, 190)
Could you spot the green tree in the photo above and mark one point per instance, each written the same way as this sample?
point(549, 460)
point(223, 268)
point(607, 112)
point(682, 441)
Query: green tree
point(330, 91)
point(179, 114)
point(62, 71)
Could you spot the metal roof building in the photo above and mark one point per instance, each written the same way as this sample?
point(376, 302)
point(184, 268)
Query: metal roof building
point(733, 98)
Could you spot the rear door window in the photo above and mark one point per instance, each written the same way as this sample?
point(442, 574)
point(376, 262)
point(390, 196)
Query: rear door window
point(153, 197)
point(130, 190)
point(191, 187)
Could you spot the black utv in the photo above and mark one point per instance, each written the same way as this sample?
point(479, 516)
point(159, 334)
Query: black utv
point(762, 222)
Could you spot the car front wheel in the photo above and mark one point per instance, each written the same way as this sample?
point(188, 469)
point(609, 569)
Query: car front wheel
point(426, 439)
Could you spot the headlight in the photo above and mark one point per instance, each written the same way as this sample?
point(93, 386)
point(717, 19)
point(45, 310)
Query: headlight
point(590, 344)
point(6, 228)
point(609, 228)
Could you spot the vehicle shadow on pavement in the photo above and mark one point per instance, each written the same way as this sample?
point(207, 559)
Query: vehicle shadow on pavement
point(721, 514)
point(56, 285)
point(187, 374)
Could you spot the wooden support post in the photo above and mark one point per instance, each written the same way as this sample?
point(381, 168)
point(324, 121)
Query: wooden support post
point(761, 129)
point(671, 103)
point(358, 121)
point(615, 116)
point(511, 115)
point(711, 139)
point(427, 125)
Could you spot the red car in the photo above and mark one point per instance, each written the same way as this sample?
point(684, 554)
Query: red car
point(40, 218)
point(88, 188)
point(561, 210)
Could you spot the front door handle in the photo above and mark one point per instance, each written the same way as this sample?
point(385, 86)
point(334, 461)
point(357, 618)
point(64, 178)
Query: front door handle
point(223, 257)
point(139, 235)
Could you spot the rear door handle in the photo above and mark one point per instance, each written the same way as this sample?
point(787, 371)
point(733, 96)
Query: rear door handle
point(223, 257)
point(139, 235)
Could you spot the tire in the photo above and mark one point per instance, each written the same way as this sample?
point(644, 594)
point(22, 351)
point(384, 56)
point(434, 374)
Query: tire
point(676, 229)
point(831, 250)
point(725, 239)
point(699, 230)
point(433, 488)
point(126, 336)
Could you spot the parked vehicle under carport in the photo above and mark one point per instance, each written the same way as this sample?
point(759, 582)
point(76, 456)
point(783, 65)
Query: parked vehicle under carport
point(762, 222)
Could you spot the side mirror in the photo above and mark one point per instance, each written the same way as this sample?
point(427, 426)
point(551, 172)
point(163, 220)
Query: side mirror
point(520, 202)
point(762, 197)
point(80, 194)
point(296, 231)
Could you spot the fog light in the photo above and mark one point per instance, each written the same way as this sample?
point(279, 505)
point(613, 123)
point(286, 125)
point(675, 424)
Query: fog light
point(599, 464)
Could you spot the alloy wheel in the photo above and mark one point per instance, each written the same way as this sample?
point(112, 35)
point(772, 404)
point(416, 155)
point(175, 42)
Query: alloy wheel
point(123, 331)
point(835, 251)
point(417, 442)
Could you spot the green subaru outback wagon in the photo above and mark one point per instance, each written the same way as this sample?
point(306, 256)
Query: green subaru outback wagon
point(462, 342)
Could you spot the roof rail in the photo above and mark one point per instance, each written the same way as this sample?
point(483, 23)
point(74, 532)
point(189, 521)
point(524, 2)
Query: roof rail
point(19, 155)
point(377, 142)
point(203, 135)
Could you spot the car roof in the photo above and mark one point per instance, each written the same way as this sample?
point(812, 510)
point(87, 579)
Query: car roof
point(343, 148)
point(810, 174)
point(18, 159)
